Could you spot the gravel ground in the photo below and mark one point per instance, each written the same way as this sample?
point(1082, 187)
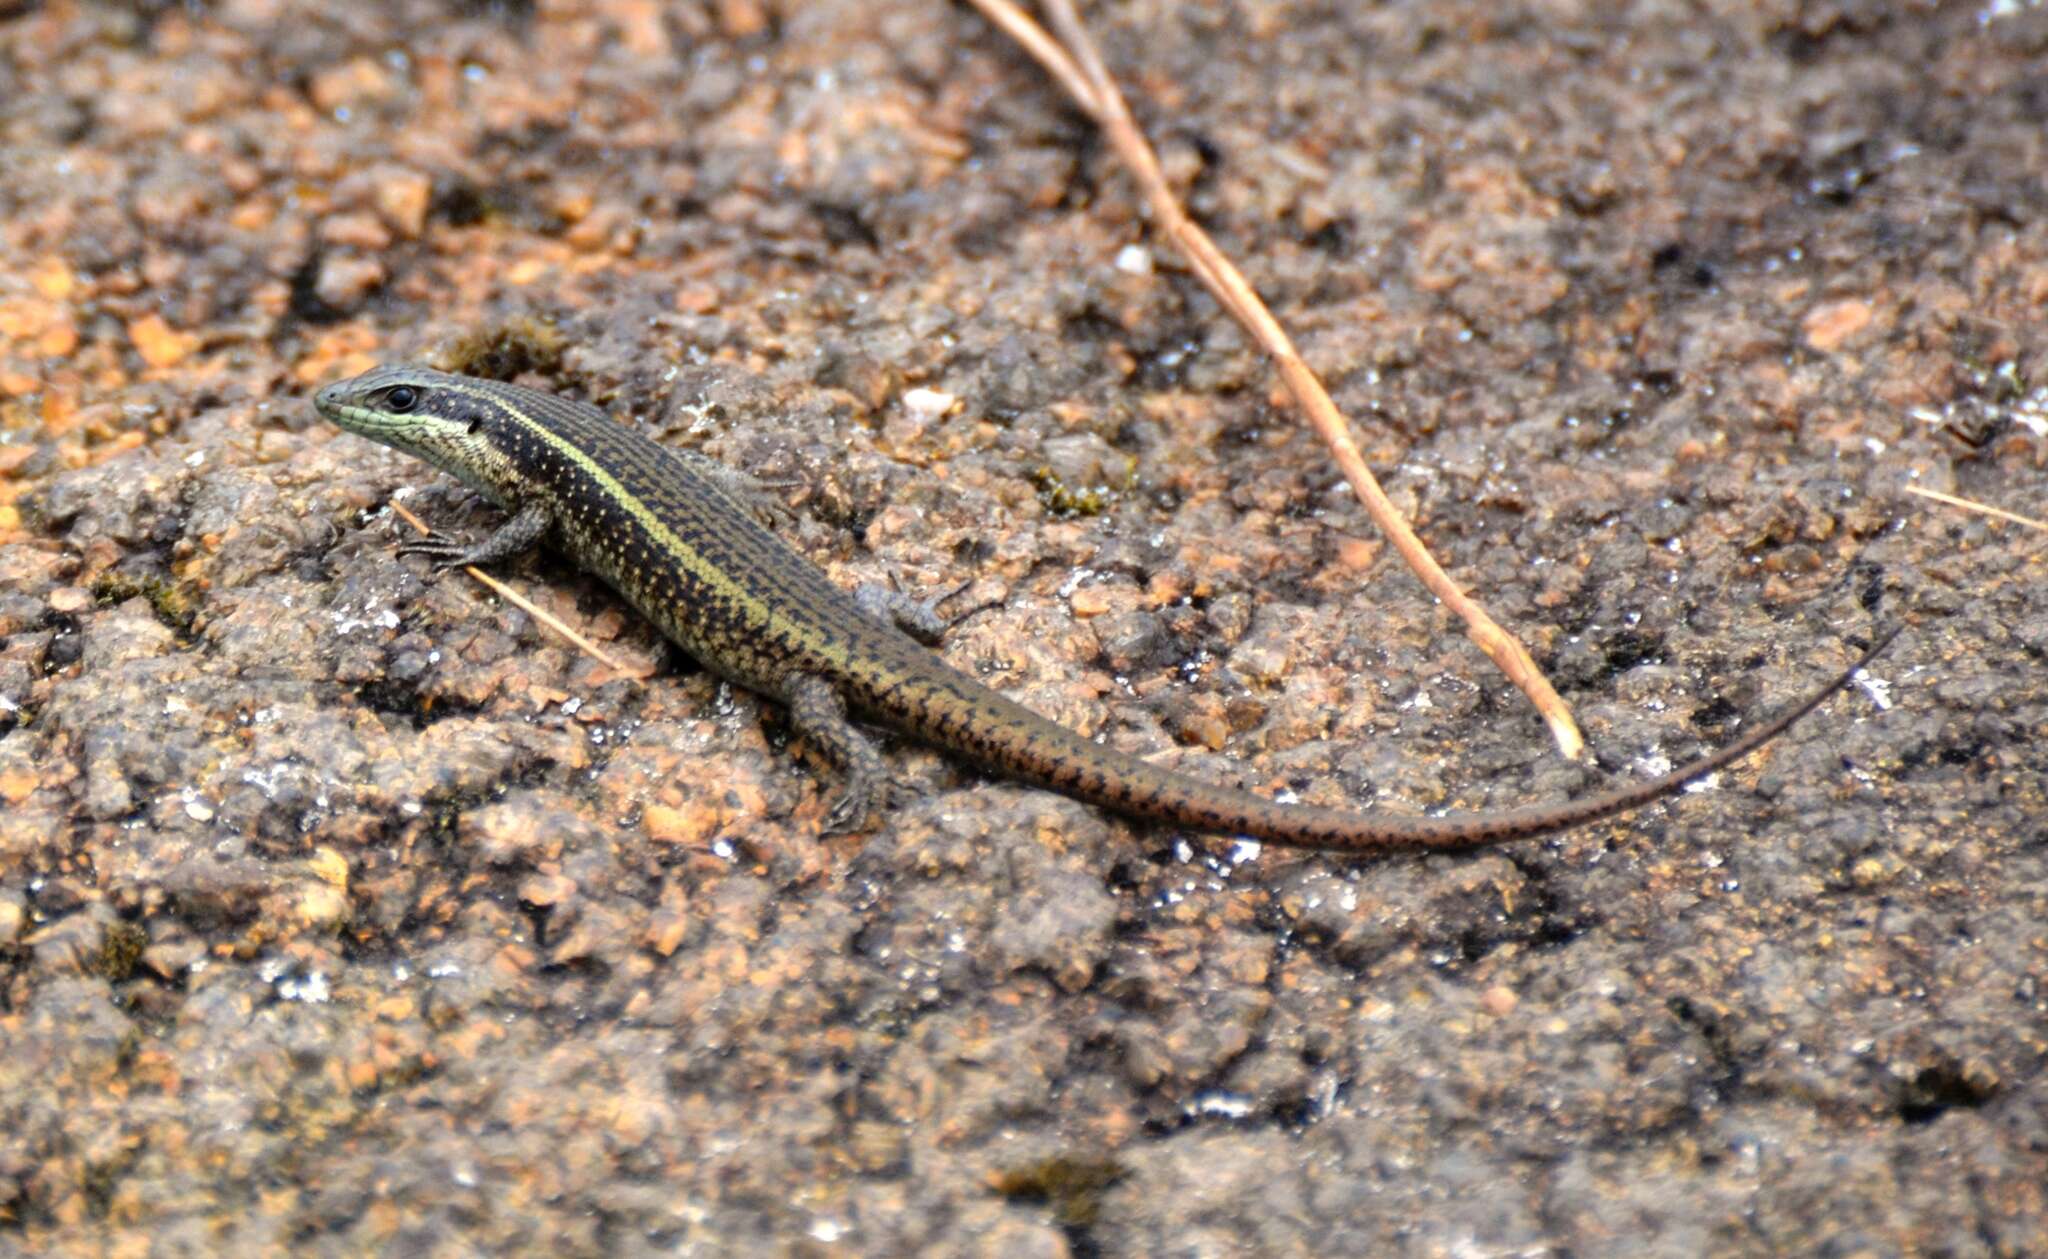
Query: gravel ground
point(346, 911)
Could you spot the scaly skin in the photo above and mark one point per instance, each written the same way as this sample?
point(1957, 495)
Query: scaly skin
point(677, 537)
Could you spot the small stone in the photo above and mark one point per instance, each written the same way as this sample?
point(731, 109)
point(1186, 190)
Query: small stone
point(1090, 601)
point(928, 404)
point(402, 199)
point(1357, 554)
point(1203, 729)
point(322, 905)
point(359, 231)
point(1084, 461)
point(350, 83)
point(17, 784)
point(159, 344)
point(697, 299)
point(546, 889)
point(54, 279)
point(739, 19)
point(344, 282)
point(1130, 639)
point(1827, 327)
point(692, 825)
point(665, 932)
point(172, 958)
point(329, 867)
point(1265, 660)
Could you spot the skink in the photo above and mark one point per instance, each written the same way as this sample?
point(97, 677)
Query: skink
point(680, 537)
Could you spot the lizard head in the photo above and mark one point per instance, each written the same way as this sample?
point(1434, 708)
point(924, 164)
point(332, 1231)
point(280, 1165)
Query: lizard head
point(443, 419)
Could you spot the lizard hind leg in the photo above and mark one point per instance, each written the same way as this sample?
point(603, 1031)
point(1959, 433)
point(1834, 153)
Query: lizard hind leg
point(746, 490)
point(918, 618)
point(819, 714)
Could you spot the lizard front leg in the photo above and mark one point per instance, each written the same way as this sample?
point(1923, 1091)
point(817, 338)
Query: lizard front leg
point(513, 538)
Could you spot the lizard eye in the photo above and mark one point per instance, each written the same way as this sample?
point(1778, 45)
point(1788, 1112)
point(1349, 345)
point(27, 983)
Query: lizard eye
point(402, 399)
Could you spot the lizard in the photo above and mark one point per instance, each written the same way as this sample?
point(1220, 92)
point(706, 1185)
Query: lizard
point(684, 539)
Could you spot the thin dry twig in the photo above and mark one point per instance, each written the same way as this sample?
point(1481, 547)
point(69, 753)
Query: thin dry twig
point(1074, 63)
point(526, 605)
point(1980, 508)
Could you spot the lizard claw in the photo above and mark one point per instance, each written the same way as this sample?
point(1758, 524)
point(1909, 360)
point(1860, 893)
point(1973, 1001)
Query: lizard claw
point(918, 618)
point(849, 812)
point(445, 550)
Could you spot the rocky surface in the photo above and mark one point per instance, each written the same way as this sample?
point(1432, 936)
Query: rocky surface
point(344, 910)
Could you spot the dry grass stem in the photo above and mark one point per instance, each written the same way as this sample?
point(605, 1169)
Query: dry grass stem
point(1074, 63)
point(1980, 508)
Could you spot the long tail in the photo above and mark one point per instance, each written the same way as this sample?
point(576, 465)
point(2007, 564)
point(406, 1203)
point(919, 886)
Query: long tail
point(1016, 742)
